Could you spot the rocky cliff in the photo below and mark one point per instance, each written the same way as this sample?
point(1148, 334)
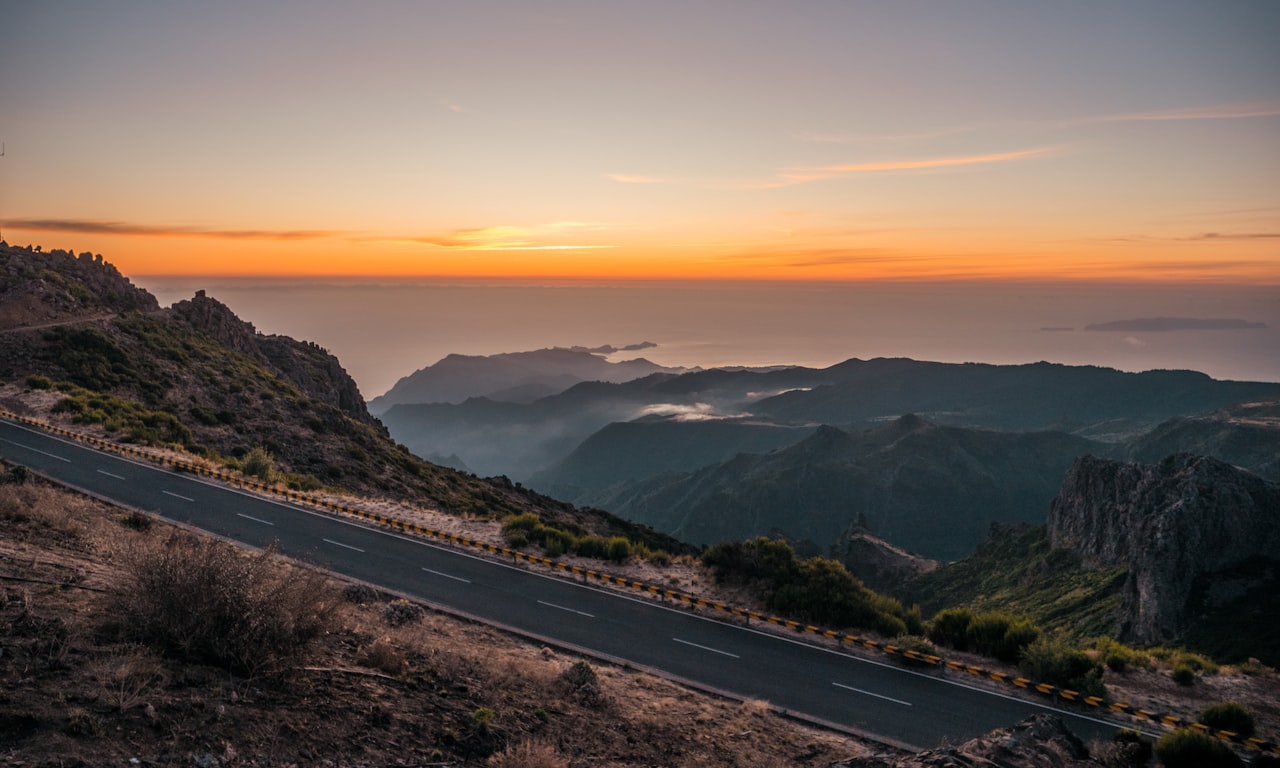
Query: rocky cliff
point(1174, 525)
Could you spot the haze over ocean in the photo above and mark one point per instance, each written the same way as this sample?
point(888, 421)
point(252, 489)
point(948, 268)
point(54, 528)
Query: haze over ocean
point(383, 330)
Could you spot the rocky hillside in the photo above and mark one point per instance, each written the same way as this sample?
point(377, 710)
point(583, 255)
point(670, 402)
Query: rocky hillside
point(81, 344)
point(1184, 528)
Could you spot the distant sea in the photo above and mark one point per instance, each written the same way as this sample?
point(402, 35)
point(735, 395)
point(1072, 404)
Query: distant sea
point(383, 330)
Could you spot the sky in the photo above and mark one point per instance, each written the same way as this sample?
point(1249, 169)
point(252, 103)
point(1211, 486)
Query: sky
point(740, 182)
point(816, 140)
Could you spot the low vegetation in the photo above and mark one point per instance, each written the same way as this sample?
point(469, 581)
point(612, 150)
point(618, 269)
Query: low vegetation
point(816, 589)
point(1188, 748)
point(1230, 716)
point(990, 633)
point(557, 540)
point(1016, 572)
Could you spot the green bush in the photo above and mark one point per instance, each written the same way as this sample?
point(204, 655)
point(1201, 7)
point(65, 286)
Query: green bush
point(590, 546)
point(1000, 635)
point(1117, 656)
point(618, 549)
point(524, 523)
point(259, 463)
point(950, 627)
point(39, 382)
point(817, 589)
point(1183, 674)
point(1229, 716)
point(1051, 660)
point(1189, 748)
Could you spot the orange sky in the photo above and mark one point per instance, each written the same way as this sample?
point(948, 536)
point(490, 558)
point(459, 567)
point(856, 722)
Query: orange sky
point(721, 140)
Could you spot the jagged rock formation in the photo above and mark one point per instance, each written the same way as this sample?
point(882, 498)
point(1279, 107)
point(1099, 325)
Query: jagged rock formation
point(1040, 741)
point(1172, 524)
point(39, 287)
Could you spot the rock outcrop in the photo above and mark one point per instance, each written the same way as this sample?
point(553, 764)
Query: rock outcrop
point(303, 364)
point(877, 563)
point(1170, 524)
point(39, 287)
point(1040, 741)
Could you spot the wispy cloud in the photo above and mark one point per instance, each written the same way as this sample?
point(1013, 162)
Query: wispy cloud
point(147, 230)
point(817, 173)
point(1233, 111)
point(789, 177)
point(884, 138)
point(631, 178)
point(507, 238)
point(1235, 236)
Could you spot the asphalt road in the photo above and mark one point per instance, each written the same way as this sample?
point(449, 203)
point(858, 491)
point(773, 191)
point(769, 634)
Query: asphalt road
point(912, 708)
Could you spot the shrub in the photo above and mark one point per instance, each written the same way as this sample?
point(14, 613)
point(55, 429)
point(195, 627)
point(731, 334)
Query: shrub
point(1183, 674)
point(39, 382)
point(590, 546)
point(618, 549)
point(1189, 748)
point(1053, 661)
point(1229, 716)
point(1000, 635)
point(206, 601)
point(525, 523)
point(259, 463)
point(401, 611)
point(950, 627)
point(1117, 656)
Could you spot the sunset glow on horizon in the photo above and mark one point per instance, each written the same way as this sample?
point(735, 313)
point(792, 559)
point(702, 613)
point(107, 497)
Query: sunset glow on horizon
point(813, 141)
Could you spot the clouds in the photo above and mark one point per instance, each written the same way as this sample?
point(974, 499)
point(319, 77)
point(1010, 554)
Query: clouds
point(509, 238)
point(1234, 111)
point(1167, 324)
point(793, 176)
point(80, 226)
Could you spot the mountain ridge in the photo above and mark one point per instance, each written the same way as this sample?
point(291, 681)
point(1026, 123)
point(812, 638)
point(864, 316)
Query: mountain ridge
point(518, 376)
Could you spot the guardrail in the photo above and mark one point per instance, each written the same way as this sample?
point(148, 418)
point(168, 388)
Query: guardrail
point(693, 601)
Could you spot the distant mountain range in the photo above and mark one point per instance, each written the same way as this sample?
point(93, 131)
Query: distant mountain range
point(802, 453)
point(518, 377)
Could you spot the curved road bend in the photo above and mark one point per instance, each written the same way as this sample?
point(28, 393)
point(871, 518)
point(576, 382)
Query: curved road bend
point(916, 709)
